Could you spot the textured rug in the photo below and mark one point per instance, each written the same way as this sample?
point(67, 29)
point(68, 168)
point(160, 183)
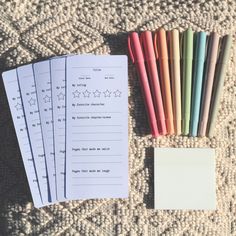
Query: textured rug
point(37, 29)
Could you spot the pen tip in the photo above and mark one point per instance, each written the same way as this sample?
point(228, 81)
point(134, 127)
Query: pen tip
point(189, 29)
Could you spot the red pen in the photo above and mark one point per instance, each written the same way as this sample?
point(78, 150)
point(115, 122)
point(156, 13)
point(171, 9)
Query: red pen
point(150, 58)
point(136, 55)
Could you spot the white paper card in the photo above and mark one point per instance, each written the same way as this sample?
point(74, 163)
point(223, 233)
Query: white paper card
point(184, 178)
point(15, 103)
point(44, 96)
point(30, 104)
point(58, 83)
point(96, 127)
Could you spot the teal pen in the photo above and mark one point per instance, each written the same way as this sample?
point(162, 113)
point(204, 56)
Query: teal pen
point(198, 62)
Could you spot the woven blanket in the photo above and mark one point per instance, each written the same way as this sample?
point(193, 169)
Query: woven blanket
point(38, 29)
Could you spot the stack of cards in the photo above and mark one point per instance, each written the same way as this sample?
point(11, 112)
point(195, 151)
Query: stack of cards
point(71, 119)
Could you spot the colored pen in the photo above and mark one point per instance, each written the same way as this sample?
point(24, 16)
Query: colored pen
point(198, 62)
point(175, 78)
point(161, 50)
point(136, 55)
point(208, 82)
point(150, 59)
point(187, 79)
point(219, 82)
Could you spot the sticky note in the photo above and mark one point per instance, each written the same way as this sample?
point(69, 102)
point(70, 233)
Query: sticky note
point(184, 179)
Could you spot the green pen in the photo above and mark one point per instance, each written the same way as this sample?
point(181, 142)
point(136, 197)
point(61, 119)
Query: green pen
point(187, 79)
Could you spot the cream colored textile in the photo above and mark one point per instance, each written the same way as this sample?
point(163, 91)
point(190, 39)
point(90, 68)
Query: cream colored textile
point(36, 29)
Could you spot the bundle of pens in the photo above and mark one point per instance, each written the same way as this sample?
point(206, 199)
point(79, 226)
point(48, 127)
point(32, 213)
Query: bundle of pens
point(181, 78)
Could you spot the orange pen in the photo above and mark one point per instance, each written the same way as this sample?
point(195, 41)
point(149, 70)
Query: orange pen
point(161, 51)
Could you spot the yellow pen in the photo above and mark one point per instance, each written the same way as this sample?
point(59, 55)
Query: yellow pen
point(175, 78)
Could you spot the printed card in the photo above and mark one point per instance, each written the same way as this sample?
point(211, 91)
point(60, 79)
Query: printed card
point(96, 127)
point(31, 110)
point(58, 83)
point(17, 112)
point(44, 96)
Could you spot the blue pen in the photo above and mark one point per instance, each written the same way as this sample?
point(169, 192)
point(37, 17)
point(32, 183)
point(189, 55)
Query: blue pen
point(198, 62)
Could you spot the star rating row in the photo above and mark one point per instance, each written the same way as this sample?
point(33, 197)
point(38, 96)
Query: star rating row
point(97, 94)
point(76, 94)
point(46, 99)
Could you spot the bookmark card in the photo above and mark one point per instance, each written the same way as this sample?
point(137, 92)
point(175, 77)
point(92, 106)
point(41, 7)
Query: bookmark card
point(30, 104)
point(58, 83)
point(44, 95)
point(184, 179)
point(15, 103)
point(96, 127)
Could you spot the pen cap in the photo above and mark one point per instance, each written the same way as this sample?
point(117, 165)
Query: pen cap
point(225, 49)
point(213, 47)
point(134, 47)
point(174, 46)
point(188, 44)
point(200, 46)
point(160, 44)
point(147, 42)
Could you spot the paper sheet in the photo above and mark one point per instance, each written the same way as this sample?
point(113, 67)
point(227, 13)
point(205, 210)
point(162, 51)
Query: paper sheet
point(58, 83)
point(96, 127)
point(30, 104)
point(184, 179)
point(44, 96)
point(15, 103)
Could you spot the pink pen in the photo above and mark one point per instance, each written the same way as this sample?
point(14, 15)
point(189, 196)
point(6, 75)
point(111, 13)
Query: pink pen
point(150, 59)
point(136, 55)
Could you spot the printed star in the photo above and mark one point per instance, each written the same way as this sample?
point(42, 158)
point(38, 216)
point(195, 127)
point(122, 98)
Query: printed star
point(18, 106)
point(86, 93)
point(107, 93)
point(47, 99)
point(60, 96)
point(76, 94)
point(96, 94)
point(32, 101)
point(117, 93)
